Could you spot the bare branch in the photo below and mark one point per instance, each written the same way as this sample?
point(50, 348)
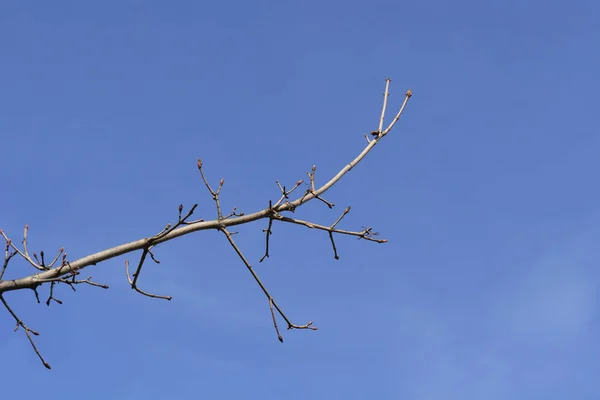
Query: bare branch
point(51, 295)
point(291, 205)
point(312, 190)
point(7, 256)
point(364, 234)
point(285, 194)
point(275, 321)
point(67, 271)
point(337, 221)
point(60, 251)
point(335, 253)
point(28, 331)
point(234, 213)
point(264, 289)
point(407, 96)
point(133, 282)
point(215, 195)
point(385, 97)
point(24, 242)
point(23, 253)
point(268, 233)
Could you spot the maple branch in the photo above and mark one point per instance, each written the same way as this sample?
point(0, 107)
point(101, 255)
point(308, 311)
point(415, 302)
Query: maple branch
point(67, 271)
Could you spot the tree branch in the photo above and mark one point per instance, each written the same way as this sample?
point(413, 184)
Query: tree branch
point(67, 271)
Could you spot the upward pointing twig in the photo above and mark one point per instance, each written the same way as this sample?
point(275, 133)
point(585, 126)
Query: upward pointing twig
point(385, 97)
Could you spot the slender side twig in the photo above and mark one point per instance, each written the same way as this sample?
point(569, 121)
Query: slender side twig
point(275, 321)
point(28, 331)
point(51, 295)
point(147, 249)
point(133, 282)
point(7, 256)
point(268, 233)
point(407, 96)
point(312, 190)
point(385, 97)
point(366, 234)
point(335, 253)
point(214, 194)
point(60, 251)
point(24, 253)
point(68, 280)
point(285, 193)
point(233, 213)
point(264, 289)
point(24, 241)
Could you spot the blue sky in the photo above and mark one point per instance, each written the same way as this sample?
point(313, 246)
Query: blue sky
point(486, 189)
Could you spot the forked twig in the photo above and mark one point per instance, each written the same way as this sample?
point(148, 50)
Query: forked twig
point(147, 249)
point(407, 96)
point(332, 227)
point(214, 194)
point(133, 282)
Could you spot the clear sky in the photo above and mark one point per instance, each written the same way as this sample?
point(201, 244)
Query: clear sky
point(487, 191)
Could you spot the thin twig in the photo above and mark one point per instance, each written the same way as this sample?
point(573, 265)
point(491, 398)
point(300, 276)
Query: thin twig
point(385, 97)
point(28, 331)
point(268, 233)
point(275, 321)
point(7, 256)
point(313, 191)
point(150, 243)
point(346, 211)
point(56, 258)
point(233, 213)
point(24, 241)
point(264, 289)
point(25, 255)
point(366, 234)
point(215, 195)
point(335, 253)
point(285, 193)
point(407, 96)
point(51, 295)
point(133, 282)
